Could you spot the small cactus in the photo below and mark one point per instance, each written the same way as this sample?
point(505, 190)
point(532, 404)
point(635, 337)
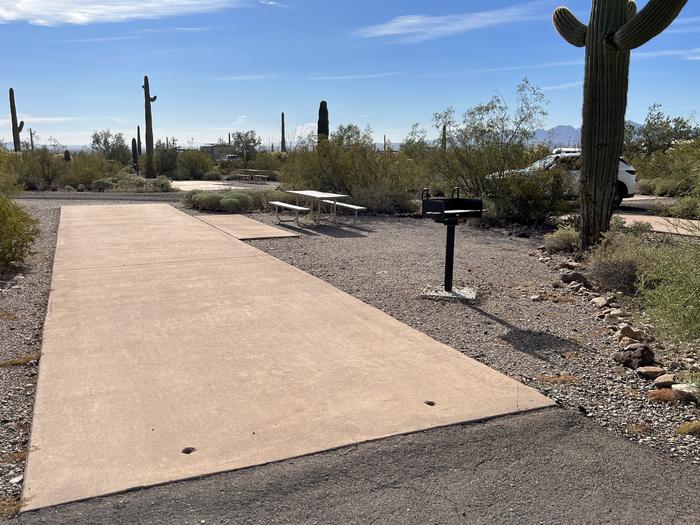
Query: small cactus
point(16, 128)
point(283, 146)
point(614, 29)
point(323, 124)
point(135, 155)
point(150, 169)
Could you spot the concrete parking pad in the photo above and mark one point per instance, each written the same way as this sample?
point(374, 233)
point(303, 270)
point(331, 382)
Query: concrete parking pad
point(245, 228)
point(683, 227)
point(172, 350)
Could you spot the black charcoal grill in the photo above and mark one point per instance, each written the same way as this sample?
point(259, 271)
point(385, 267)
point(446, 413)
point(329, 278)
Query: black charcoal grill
point(450, 211)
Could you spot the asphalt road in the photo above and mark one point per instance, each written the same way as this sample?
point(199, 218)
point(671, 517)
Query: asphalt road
point(550, 466)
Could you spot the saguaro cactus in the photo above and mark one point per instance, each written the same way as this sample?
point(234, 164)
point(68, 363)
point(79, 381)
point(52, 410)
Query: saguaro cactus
point(67, 156)
point(150, 169)
point(323, 125)
point(135, 155)
point(444, 137)
point(16, 128)
point(283, 144)
point(138, 139)
point(614, 29)
point(31, 139)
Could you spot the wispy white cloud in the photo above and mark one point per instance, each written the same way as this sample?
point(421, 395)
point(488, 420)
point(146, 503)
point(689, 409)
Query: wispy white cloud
point(419, 28)
point(247, 78)
point(560, 87)
point(272, 3)
point(97, 39)
point(31, 120)
point(687, 54)
point(358, 77)
point(57, 12)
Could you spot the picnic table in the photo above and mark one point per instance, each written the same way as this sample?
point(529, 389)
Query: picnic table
point(317, 198)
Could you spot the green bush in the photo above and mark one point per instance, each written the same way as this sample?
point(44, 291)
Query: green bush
point(207, 201)
point(37, 170)
point(102, 185)
point(563, 240)
point(686, 208)
point(528, 198)
point(662, 273)
point(232, 201)
point(18, 230)
point(212, 175)
point(164, 160)
point(193, 164)
point(384, 183)
point(645, 187)
point(231, 205)
point(86, 169)
point(162, 184)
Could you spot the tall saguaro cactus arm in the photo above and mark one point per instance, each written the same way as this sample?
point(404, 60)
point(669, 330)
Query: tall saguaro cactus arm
point(16, 128)
point(569, 27)
point(656, 16)
point(150, 169)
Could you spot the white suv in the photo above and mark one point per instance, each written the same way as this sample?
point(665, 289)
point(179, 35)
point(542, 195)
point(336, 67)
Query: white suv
point(570, 160)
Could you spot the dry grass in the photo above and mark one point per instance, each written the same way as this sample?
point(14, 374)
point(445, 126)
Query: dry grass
point(6, 316)
point(559, 379)
point(689, 429)
point(666, 395)
point(20, 361)
point(638, 428)
point(10, 507)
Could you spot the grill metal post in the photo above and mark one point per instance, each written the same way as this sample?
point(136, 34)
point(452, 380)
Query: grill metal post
point(450, 256)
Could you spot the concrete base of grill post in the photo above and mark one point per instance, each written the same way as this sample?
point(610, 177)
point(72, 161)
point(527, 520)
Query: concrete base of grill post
point(438, 293)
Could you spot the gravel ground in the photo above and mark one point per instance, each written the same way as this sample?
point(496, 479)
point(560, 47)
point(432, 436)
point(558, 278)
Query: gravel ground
point(386, 263)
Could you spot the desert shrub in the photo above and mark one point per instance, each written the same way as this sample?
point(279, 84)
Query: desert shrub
point(614, 265)
point(231, 205)
point(212, 175)
point(207, 201)
point(18, 230)
point(662, 274)
point(162, 184)
point(645, 187)
point(37, 170)
point(193, 164)
point(383, 183)
point(670, 290)
point(8, 179)
point(86, 169)
point(667, 187)
point(528, 198)
point(188, 198)
point(686, 208)
point(563, 240)
point(69, 188)
point(639, 228)
point(164, 160)
point(267, 161)
point(244, 201)
point(102, 185)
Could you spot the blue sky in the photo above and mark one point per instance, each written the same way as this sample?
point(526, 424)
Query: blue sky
point(226, 65)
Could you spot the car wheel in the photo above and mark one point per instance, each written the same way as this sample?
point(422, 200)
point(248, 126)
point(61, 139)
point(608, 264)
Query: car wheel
point(618, 196)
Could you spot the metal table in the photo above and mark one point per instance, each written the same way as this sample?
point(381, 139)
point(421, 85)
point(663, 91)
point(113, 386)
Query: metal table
point(318, 197)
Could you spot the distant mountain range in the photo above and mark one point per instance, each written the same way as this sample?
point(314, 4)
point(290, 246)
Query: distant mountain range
point(563, 136)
